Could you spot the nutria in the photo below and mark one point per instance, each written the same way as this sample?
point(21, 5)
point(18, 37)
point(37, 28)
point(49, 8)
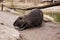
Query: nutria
point(33, 19)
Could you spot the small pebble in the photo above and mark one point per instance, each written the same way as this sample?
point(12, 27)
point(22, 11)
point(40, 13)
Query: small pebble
point(57, 33)
point(1, 23)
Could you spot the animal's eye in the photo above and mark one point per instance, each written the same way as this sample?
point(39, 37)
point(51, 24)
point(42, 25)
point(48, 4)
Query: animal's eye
point(20, 18)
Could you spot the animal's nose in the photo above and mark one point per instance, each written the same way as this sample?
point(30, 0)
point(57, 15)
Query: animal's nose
point(14, 24)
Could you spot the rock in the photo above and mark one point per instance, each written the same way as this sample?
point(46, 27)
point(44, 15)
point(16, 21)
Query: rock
point(7, 18)
point(8, 33)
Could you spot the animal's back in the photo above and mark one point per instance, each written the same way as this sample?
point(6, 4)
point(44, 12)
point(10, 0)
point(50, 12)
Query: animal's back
point(35, 17)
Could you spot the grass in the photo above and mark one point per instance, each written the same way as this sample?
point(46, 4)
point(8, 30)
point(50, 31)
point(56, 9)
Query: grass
point(55, 15)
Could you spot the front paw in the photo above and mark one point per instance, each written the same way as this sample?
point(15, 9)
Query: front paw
point(21, 29)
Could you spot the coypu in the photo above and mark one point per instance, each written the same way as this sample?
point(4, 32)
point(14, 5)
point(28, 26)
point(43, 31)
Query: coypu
point(33, 19)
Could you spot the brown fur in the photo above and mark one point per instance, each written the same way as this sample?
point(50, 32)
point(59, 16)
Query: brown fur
point(34, 18)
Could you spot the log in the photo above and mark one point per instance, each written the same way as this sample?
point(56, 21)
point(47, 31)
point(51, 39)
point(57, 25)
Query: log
point(42, 7)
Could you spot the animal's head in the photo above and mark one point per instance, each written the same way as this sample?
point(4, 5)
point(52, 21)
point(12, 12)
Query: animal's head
point(19, 22)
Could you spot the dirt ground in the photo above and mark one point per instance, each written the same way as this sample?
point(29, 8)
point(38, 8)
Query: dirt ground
point(48, 30)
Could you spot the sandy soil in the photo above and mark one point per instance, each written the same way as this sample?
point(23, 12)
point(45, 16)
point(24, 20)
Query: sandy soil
point(48, 31)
